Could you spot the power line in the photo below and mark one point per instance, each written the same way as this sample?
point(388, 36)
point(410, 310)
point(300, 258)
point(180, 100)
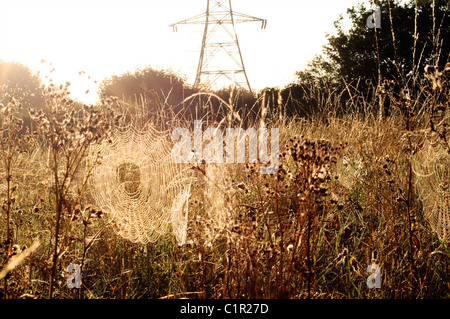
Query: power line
point(220, 44)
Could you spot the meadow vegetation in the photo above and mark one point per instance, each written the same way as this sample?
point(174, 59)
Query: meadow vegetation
point(356, 186)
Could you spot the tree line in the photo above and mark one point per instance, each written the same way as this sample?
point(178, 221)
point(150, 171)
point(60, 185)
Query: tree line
point(354, 63)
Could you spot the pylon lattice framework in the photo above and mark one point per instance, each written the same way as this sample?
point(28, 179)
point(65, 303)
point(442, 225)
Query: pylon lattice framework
point(220, 17)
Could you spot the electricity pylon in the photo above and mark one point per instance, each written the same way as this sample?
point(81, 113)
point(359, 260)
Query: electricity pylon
point(220, 44)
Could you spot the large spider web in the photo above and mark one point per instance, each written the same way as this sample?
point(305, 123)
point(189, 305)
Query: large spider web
point(431, 166)
point(144, 192)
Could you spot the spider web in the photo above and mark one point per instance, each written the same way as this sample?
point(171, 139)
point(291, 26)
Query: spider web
point(431, 166)
point(139, 186)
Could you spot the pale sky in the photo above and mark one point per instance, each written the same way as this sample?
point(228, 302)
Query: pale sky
point(106, 37)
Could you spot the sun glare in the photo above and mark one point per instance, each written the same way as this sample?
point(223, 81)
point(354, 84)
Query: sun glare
point(105, 38)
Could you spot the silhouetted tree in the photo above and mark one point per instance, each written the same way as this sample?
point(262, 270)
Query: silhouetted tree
point(353, 55)
point(148, 87)
point(17, 80)
point(355, 52)
point(354, 61)
point(165, 91)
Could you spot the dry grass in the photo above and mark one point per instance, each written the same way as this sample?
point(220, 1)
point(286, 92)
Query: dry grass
point(344, 197)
